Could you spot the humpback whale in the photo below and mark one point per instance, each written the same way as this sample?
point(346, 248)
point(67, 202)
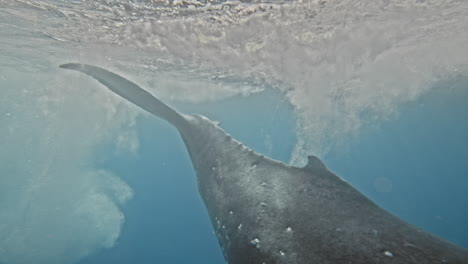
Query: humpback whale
point(266, 212)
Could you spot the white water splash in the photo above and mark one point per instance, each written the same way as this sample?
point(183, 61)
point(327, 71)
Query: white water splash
point(55, 207)
point(337, 61)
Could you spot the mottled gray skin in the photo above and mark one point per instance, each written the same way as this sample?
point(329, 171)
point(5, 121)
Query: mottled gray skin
point(264, 211)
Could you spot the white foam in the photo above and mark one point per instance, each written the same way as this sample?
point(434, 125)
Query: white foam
point(339, 62)
point(55, 208)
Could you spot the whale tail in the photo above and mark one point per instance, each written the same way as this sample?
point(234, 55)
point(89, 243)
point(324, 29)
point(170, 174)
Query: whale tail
point(130, 91)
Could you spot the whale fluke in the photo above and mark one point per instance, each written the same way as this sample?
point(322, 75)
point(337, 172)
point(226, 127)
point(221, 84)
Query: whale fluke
point(129, 91)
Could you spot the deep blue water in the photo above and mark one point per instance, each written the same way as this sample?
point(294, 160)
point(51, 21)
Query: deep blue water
point(414, 165)
point(424, 154)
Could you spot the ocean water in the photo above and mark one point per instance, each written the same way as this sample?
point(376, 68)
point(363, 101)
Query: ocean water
point(377, 89)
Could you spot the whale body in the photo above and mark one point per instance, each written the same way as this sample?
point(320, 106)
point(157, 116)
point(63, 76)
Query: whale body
point(266, 212)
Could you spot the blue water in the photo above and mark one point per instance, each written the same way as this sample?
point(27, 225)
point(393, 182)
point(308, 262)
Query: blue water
point(424, 154)
point(421, 154)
